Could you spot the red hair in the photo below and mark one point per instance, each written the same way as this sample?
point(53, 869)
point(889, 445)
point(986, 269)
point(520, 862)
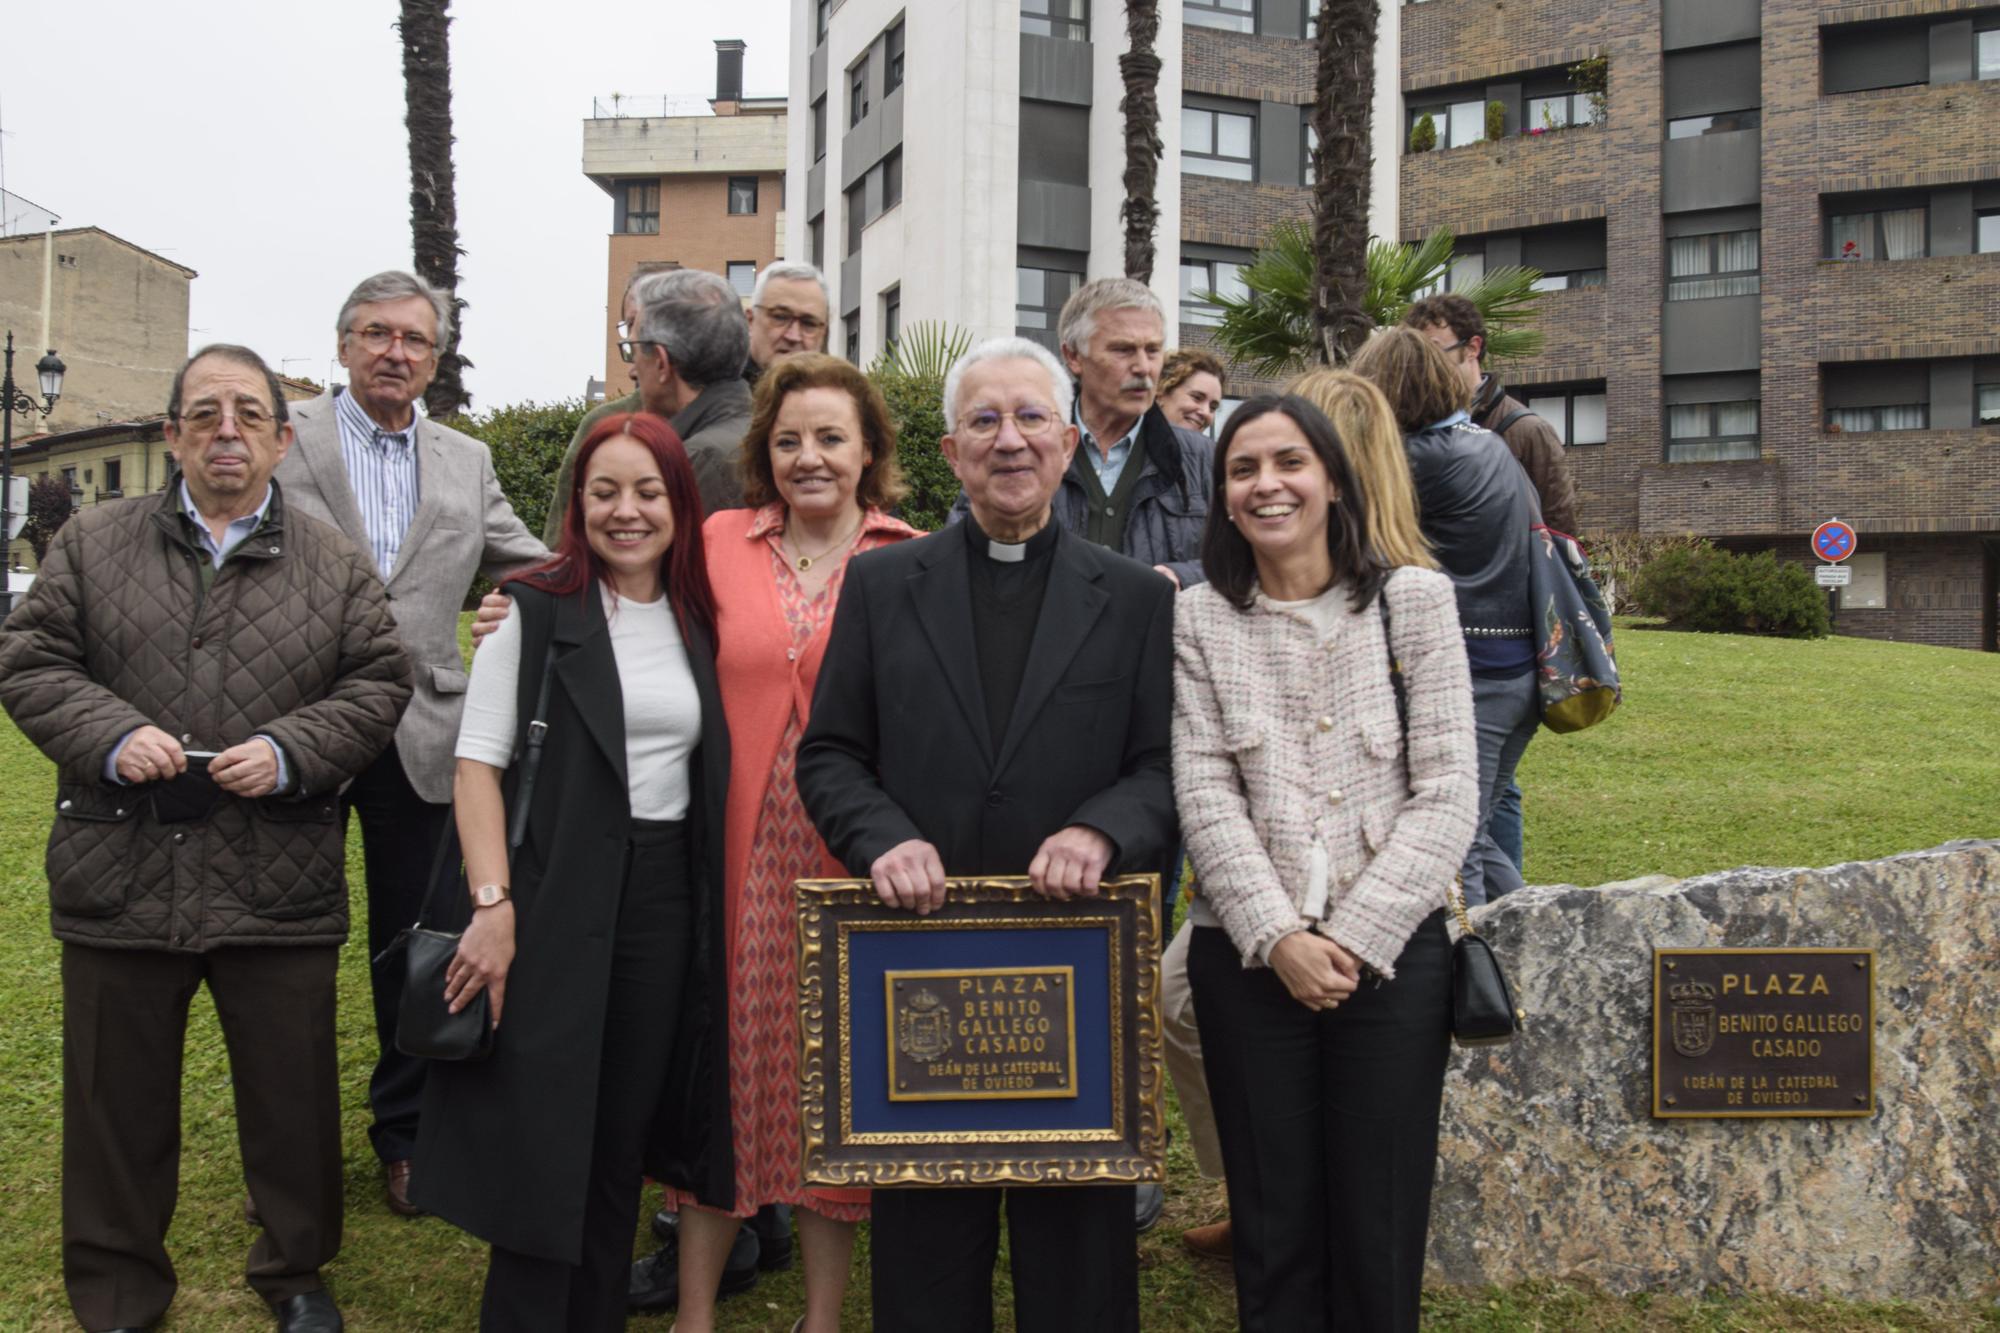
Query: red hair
point(574, 567)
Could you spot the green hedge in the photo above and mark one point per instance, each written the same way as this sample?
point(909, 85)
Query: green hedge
point(1702, 588)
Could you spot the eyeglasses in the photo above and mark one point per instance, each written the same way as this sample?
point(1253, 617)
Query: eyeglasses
point(629, 347)
point(378, 340)
point(206, 418)
point(810, 325)
point(984, 424)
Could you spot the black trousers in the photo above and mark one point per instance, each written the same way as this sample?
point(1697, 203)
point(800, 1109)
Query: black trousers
point(1075, 1259)
point(399, 838)
point(649, 960)
point(1329, 1129)
point(124, 1026)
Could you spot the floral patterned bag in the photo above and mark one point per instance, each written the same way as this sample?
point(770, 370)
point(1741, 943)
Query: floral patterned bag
point(1576, 671)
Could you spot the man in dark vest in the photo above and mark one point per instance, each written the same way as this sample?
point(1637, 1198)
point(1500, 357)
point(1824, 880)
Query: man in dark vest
point(995, 700)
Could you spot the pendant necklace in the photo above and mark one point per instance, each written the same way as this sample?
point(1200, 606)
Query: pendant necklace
point(803, 563)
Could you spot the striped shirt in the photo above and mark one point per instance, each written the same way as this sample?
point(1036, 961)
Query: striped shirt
point(382, 473)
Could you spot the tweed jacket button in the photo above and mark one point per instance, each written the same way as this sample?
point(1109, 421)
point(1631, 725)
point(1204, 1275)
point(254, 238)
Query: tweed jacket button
point(1326, 724)
point(1336, 796)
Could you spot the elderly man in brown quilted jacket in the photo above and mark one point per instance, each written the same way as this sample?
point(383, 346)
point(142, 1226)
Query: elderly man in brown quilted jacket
point(205, 670)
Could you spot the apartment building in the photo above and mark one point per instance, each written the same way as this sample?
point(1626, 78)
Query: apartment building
point(964, 163)
point(691, 186)
point(1774, 253)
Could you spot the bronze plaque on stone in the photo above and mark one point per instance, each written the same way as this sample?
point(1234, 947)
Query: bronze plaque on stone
point(1763, 1032)
point(974, 1033)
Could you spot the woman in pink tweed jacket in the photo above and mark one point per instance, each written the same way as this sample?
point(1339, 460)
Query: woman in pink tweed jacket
point(1324, 845)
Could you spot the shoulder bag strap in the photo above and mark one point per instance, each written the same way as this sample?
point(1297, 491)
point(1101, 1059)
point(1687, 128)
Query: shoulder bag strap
point(1455, 897)
point(531, 753)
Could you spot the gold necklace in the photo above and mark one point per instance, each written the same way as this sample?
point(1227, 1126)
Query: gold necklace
point(805, 562)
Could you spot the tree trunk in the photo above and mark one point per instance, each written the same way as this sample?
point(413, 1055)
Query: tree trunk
point(1345, 80)
point(433, 196)
point(1140, 67)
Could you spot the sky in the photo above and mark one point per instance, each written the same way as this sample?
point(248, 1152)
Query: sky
point(261, 143)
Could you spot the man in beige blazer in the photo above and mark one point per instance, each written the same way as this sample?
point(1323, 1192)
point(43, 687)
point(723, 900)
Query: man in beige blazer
point(421, 500)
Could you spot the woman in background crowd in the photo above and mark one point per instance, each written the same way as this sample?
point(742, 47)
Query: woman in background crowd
point(1476, 506)
point(603, 963)
point(819, 474)
point(1325, 806)
point(1192, 382)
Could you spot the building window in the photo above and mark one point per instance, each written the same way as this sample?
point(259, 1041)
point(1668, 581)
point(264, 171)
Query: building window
point(1200, 278)
point(1218, 143)
point(821, 17)
point(1576, 414)
point(742, 275)
point(857, 93)
point(1989, 404)
point(69, 480)
point(1988, 241)
point(742, 195)
point(1897, 416)
point(1223, 411)
point(1560, 111)
point(1893, 233)
point(816, 241)
point(1689, 127)
point(819, 128)
point(892, 315)
point(850, 336)
point(1308, 145)
point(1068, 19)
point(1712, 432)
point(892, 77)
point(1039, 294)
point(1456, 123)
point(1562, 282)
point(1722, 263)
point(1988, 62)
point(112, 468)
point(852, 206)
point(892, 180)
point(1229, 15)
point(642, 208)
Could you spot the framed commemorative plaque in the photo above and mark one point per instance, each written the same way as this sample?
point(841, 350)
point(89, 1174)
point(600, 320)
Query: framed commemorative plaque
point(1005, 1039)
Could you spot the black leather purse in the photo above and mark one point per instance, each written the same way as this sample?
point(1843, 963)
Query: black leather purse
point(1482, 1003)
point(425, 1025)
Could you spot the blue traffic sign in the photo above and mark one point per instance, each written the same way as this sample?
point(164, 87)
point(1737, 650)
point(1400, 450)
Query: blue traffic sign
point(1833, 540)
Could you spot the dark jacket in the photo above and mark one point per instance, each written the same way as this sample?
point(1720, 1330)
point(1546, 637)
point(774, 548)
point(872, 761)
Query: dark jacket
point(505, 1143)
point(712, 427)
point(898, 745)
point(1169, 504)
point(293, 639)
point(1535, 446)
point(1475, 506)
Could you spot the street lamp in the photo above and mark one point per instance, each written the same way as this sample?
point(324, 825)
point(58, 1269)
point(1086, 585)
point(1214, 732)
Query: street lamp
point(49, 370)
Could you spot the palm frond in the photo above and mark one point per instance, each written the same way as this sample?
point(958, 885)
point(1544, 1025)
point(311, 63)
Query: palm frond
point(1507, 300)
point(923, 350)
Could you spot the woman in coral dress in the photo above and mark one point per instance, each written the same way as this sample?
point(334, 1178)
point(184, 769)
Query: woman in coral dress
point(819, 473)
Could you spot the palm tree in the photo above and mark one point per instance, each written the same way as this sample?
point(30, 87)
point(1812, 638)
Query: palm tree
point(1345, 79)
point(1271, 330)
point(433, 196)
point(1140, 67)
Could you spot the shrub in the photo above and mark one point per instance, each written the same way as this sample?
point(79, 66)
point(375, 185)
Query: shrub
point(1701, 588)
point(910, 373)
point(1423, 135)
point(1616, 560)
point(1496, 120)
point(528, 441)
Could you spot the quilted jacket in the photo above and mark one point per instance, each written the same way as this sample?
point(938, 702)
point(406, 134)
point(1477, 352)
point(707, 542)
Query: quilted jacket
point(293, 639)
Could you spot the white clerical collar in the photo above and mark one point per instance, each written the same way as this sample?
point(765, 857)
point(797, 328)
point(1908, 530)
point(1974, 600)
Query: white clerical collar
point(1006, 554)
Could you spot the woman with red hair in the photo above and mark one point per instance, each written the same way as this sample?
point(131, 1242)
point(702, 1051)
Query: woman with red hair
point(598, 936)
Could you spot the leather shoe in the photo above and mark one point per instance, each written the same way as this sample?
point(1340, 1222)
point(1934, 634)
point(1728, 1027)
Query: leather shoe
point(1213, 1241)
point(1152, 1198)
point(397, 1174)
point(656, 1280)
point(773, 1225)
point(308, 1312)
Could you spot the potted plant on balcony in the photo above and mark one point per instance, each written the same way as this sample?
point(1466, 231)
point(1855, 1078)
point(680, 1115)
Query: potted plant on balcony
point(1423, 134)
point(1496, 120)
point(1591, 76)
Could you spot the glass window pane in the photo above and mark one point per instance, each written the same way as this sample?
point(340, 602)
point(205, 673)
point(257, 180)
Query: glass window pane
point(1989, 404)
point(1028, 286)
point(1194, 278)
point(1687, 420)
point(1197, 130)
point(1850, 418)
point(1552, 408)
point(1465, 270)
point(1906, 416)
point(1989, 54)
point(1851, 236)
point(1989, 232)
point(1736, 418)
point(1551, 282)
point(1548, 113)
point(1689, 127)
point(1214, 166)
point(1687, 256)
point(1581, 111)
point(1468, 123)
point(1587, 410)
point(1229, 281)
point(1736, 252)
point(1232, 134)
point(1903, 233)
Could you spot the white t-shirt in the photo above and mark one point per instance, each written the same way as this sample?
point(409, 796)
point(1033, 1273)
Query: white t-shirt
point(662, 707)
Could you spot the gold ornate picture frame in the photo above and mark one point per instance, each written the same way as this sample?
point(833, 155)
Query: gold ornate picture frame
point(1004, 1039)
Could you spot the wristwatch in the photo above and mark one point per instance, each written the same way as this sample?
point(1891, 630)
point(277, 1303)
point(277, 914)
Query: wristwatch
point(486, 895)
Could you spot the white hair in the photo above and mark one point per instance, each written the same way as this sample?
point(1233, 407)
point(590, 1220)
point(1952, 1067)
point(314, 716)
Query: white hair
point(1078, 320)
point(792, 271)
point(1008, 349)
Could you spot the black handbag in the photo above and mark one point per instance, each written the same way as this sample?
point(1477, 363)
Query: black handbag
point(425, 1025)
point(1482, 1003)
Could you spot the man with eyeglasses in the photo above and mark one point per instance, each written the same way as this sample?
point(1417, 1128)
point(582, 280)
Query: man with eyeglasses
point(422, 501)
point(788, 310)
point(205, 667)
point(994, 700)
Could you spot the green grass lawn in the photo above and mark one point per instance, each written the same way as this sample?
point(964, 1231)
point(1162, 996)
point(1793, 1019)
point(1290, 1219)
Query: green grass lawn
point(1729, 751)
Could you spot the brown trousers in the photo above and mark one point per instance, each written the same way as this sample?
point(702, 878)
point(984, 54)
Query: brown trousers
point(124, 1025)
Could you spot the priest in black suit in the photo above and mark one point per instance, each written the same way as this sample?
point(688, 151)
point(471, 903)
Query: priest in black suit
point(995, 700)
